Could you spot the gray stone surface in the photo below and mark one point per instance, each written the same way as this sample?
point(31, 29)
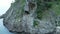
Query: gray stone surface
point(17, 20)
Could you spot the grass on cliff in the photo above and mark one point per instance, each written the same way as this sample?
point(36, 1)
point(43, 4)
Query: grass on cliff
point(56, 8)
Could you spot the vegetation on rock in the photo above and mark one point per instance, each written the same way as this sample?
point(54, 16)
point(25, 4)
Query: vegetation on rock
point(35, 23)
point(43, 5)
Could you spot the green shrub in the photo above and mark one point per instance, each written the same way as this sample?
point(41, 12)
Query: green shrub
point(42, 6)
point(35, 23)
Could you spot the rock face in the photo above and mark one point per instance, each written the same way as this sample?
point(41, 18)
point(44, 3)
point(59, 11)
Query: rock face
point(22, 17)
point(58, 30)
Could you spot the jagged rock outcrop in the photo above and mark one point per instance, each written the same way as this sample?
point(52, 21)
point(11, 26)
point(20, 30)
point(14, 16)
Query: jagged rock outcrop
point(22, 17)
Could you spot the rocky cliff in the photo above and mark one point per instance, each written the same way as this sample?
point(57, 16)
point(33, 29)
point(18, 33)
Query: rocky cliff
point(31, 17)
